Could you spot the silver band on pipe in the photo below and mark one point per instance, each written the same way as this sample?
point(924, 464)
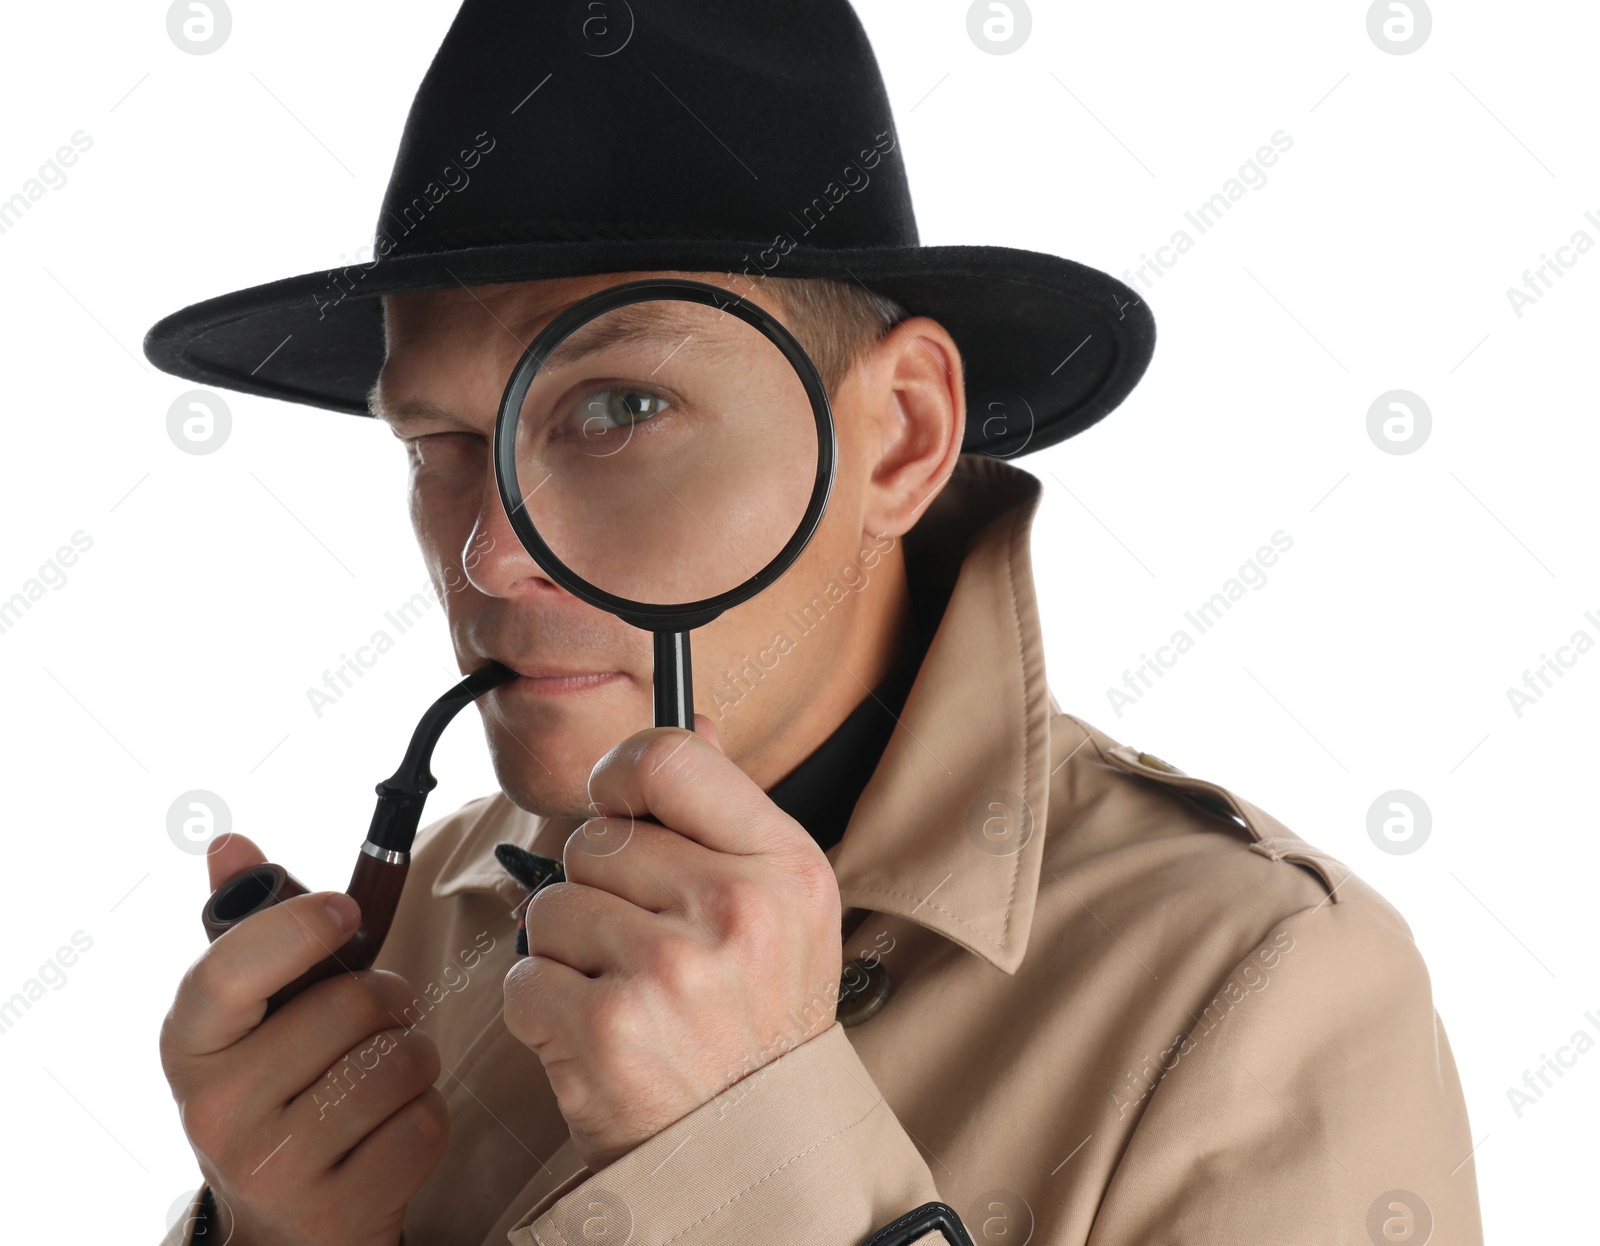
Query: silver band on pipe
point(387, 855)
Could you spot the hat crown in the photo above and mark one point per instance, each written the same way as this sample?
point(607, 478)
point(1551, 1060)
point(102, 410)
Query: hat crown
point(588, 120)
point(561, 138)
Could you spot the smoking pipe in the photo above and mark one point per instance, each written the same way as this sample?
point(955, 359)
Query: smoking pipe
point(385, 859)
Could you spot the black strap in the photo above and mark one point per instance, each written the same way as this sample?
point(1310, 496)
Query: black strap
point(533, 872)
point(918, 1221)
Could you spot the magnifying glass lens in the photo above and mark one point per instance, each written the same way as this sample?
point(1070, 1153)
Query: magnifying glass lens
point(666, 451)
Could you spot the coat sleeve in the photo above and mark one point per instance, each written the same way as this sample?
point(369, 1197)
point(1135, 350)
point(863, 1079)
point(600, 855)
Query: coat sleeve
point(195, 1228)
point(803, 1151)
point(1314, 1099)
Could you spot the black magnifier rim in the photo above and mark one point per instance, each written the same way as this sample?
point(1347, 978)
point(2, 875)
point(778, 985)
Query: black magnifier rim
point(654, 616)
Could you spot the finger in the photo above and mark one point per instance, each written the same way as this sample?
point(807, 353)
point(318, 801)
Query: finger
point(396, 1157)
point(587, 929)
point(545, 1003)
point(377, 1077)
point(682, 781)
point(223, 996)
point(647, 865)
point(703, 726)
point(229, 855)
point(308, 1041)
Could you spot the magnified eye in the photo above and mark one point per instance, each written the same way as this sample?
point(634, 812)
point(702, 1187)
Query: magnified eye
point(620, 408)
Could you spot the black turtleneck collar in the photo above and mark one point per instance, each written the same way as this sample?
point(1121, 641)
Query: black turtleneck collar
point(821, 792)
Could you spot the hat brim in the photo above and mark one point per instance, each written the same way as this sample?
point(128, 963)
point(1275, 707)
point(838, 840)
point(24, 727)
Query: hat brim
point(1049, 346)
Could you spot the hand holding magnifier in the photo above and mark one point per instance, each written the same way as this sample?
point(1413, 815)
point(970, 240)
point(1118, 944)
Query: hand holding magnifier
point(664, 450)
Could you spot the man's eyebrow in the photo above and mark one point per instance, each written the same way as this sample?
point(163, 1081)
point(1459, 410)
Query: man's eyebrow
point(667, 329)
point(410, 409)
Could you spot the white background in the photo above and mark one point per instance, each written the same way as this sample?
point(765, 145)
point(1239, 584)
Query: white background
point(1377, 256)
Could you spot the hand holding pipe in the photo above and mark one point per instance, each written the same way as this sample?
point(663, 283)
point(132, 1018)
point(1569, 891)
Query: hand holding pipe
point(385, 859)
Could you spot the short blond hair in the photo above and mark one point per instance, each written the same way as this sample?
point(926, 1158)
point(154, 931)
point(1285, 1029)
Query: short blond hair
point(836, 321)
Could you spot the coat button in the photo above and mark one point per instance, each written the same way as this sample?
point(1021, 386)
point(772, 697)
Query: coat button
point(863, 988)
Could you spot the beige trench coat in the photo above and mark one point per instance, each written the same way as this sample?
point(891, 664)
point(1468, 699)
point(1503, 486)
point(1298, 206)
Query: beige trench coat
point(1128, 1006)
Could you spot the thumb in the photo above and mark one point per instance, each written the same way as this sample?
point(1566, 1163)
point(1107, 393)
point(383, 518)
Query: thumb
point(230, 855)
point(707, 729)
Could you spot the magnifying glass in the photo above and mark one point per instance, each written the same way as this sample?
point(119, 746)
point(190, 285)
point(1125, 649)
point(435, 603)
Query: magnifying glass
point(664, 451)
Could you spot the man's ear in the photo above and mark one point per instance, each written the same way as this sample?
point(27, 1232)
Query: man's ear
point(915, 390)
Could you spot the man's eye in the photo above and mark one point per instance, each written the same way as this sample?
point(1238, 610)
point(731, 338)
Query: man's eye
point(445, 452)
point(620, 408)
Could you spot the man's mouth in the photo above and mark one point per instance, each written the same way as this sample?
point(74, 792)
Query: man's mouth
point(550, 681)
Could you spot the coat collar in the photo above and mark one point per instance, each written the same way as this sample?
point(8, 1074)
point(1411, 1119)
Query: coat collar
point(972, 745)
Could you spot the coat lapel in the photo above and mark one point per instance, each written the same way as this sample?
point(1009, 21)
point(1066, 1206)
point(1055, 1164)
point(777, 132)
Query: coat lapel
point(949, 832)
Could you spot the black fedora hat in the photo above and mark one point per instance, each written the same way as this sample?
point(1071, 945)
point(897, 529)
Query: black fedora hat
point(554, 138)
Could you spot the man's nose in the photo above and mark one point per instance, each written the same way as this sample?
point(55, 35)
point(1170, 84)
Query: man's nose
point(495, 560)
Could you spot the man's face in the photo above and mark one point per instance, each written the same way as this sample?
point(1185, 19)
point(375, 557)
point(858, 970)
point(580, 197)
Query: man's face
point(589, 675)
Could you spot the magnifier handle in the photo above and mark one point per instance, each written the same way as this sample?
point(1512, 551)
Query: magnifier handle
point(674, 683)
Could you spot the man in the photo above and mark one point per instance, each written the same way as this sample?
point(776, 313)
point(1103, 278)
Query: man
point(889, 948)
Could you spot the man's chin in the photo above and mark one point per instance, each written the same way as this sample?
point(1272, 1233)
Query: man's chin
point(543, 757)
point(562, 791)
point(543, 800)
